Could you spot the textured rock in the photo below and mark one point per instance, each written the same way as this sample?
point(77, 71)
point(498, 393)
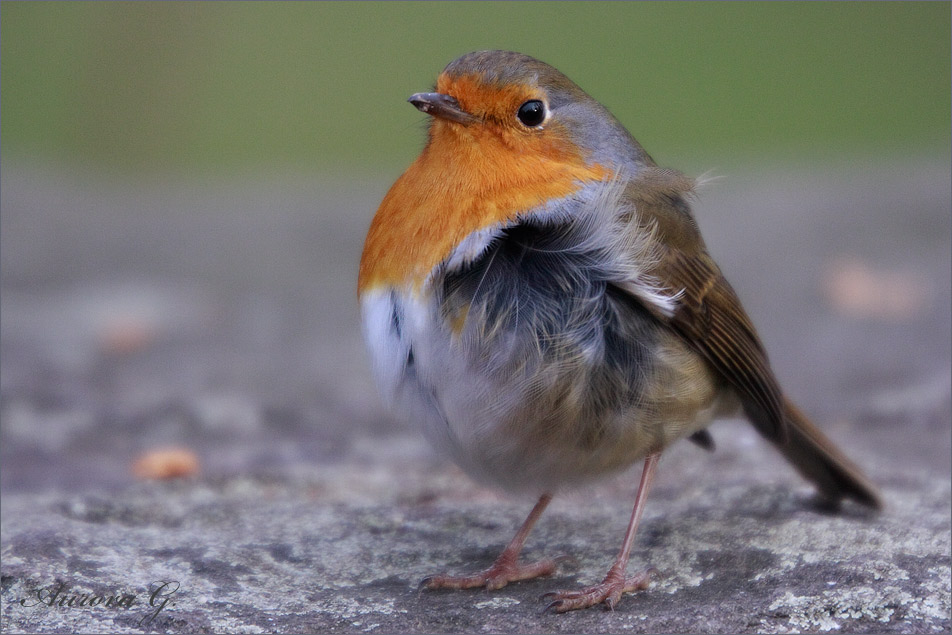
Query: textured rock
point(331, 551)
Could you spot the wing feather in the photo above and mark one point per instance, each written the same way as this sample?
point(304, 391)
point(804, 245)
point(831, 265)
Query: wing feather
point(709, 316)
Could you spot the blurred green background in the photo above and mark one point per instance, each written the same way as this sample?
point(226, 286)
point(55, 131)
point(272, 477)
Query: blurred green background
point(198, 87)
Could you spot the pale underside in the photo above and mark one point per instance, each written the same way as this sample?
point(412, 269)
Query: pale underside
point(531, 355)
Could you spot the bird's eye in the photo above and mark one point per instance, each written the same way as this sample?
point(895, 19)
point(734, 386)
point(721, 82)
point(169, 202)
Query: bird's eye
point(531, 113)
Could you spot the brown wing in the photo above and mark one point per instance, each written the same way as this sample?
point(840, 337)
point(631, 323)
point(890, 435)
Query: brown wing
point(709, 316)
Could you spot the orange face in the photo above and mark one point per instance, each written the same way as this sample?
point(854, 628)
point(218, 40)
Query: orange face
point(469, 177)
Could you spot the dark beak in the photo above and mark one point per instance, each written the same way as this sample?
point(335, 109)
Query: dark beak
point(442, 106)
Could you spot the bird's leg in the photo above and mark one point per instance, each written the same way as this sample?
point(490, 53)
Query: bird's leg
point(506, 568)
point(616, 582)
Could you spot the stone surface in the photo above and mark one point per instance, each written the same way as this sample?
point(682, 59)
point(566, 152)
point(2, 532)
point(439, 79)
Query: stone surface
point(220, 317)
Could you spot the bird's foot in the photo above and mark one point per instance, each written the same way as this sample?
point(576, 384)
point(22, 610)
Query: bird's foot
point(608, 591)
point(501, 573)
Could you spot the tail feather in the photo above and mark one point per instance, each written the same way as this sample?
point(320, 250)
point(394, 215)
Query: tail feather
point(817, 459)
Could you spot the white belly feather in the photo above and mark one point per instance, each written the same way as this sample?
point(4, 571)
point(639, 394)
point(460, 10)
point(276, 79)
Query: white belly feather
point(513, 413)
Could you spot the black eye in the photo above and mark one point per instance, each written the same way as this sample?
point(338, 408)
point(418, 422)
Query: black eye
point(532, 113)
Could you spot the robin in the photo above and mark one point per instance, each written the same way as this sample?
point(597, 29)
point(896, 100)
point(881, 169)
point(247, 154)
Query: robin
point(535, 292)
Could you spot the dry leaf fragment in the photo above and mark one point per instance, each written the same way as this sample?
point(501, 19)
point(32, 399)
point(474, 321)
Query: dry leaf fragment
point(164, 463)
point(859, 290)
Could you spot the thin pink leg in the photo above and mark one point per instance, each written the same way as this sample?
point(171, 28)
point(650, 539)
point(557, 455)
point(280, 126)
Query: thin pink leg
point(506, 568)
point(615, 583)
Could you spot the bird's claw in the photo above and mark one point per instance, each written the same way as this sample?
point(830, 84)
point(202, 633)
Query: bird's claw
point(607, 592)
point(501, 573)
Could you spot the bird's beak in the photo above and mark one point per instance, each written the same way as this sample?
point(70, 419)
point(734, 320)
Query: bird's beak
point(442, 106)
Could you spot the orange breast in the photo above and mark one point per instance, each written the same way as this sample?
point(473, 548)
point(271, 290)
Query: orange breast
point(466, 179)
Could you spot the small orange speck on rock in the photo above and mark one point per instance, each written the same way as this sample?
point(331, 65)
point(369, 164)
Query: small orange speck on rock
point(126, 336)
point(857, 289)
point(165, 463)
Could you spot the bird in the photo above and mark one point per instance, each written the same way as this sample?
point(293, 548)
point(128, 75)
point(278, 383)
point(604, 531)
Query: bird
point(535, 293)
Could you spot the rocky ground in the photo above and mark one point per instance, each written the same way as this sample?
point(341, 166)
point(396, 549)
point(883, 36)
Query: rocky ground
point(219, 319)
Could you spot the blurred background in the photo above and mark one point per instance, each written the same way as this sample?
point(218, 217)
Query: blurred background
point(217, 87)
point(185, 189)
